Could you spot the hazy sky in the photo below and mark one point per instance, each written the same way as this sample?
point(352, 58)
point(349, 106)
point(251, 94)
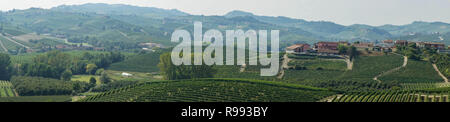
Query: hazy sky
point(346, 12)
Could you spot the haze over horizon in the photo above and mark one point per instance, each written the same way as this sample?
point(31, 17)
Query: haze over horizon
point(345, 12)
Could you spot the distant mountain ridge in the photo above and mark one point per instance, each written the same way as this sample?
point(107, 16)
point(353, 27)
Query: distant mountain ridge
point(352, 32)
point(119, 9)
point(119, 23)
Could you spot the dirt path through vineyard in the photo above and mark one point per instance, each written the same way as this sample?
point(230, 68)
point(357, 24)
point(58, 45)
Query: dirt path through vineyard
point(440, 74)
point(284, 66)
point(405, 62)
point(9, 39)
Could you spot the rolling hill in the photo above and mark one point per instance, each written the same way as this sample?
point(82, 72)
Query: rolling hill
point(212, 90)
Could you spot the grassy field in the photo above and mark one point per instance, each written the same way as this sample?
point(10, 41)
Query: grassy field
point(85, 78)
point(137, 76)
point(414, 72)
point(117, 75)
point(10, 45)
point(37, 99)
point(320, 63)
point(212, 90)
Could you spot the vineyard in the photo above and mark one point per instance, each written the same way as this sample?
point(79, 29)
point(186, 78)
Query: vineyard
point(138, 63)
point(423, 86)
point(392, 96)
point(414, 72)
point(367, 67)
point(364, 69)
point(6, 89)
point(212, 90)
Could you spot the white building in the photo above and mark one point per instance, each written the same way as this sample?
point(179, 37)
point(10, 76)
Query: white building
point(126, 74)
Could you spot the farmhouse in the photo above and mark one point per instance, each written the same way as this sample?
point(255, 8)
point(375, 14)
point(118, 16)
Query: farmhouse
point(298, 48)
point(387, 44)
point(363, 46)
point(439, 46)
point(327, 47)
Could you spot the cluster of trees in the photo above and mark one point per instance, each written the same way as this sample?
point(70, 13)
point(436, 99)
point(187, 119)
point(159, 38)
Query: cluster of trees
point(411, 51)
point(60, 65)
point(427, 54)
point(416, 53)
point(173, 72)
point(350, 51)
point(30, 86)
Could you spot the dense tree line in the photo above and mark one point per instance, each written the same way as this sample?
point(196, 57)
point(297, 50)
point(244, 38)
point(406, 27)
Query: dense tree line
point(30, 86)
point(411, 51)
point(60, 65)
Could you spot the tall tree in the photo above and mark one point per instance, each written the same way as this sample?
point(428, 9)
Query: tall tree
point(172, 72)
point(5, 61)
point(168, 70)
point(92, 81)
point(91, 68)
point(104, 78)
point(66, 75)
point(352, 52)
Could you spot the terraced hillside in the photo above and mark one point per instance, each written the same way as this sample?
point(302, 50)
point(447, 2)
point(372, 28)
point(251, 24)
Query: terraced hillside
point(212, 90)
